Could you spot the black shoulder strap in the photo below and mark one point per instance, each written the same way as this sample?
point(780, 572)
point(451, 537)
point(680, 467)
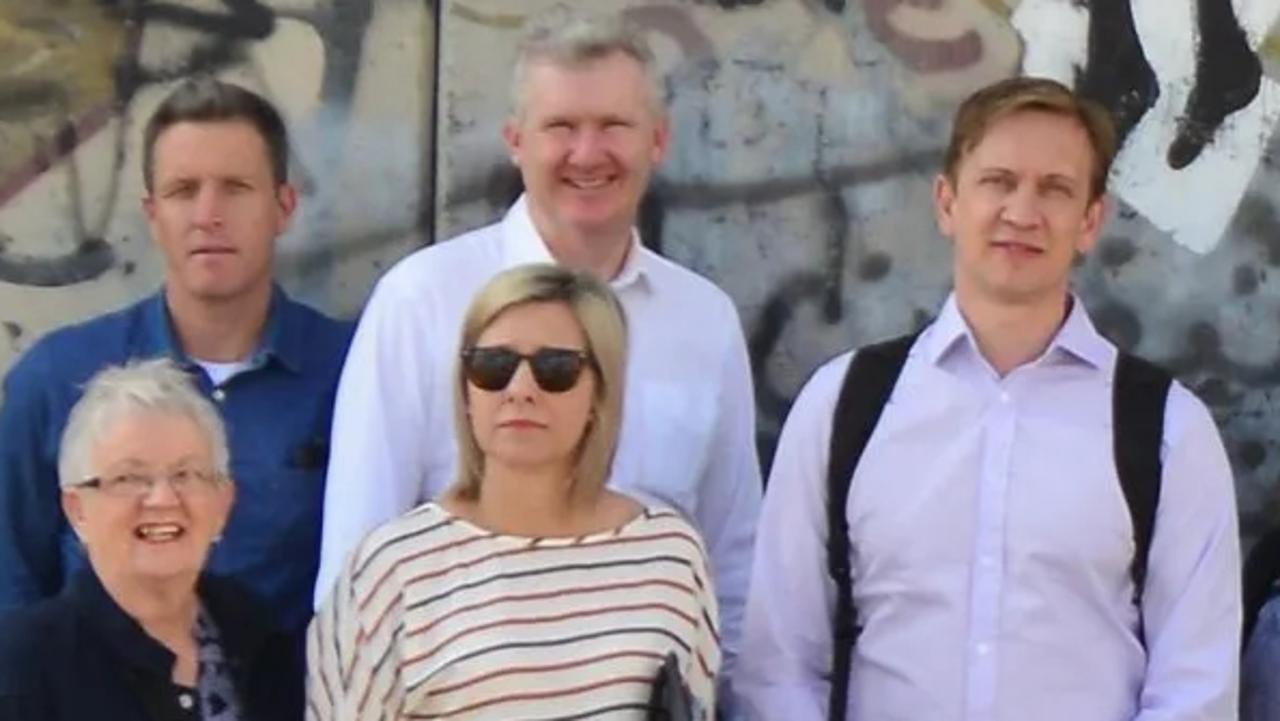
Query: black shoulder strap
point(866, 389)
point(1138, 401)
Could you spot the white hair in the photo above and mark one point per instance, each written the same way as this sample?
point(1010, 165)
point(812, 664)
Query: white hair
point(117, 392)
point(570, 39)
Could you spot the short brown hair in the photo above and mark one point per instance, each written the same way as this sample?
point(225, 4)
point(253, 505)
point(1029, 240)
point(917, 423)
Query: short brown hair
point(1020, 94)
point(604, 327)
point(208, 100)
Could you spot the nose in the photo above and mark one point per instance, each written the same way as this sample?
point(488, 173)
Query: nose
point(522, 384)
point(208, 207)
point(1022, 207)
point(588, 145)
point(160, 493)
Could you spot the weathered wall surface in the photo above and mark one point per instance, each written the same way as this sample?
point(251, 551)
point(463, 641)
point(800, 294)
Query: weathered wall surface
point(807, 135)
point(79, 78)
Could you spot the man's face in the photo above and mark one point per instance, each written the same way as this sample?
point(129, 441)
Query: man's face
point(586, 141)
point(215, 209)
point(1019, 209)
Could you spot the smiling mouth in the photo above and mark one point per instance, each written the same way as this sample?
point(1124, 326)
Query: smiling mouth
point(159, 532)
point(589, 183)
point(1015, 247)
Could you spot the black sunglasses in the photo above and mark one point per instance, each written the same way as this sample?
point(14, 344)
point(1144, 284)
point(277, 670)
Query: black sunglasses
point(555, 370)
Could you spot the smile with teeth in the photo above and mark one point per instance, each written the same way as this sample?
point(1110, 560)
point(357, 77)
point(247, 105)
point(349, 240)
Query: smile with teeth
point(1017, 247)
point(158, 532)
point(588, 183)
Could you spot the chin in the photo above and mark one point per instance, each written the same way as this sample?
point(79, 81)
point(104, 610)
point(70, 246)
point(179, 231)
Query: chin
point(166, 565)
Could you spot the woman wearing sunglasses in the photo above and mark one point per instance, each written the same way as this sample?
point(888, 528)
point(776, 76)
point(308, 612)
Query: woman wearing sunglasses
point(142, 634)
point(531, 591)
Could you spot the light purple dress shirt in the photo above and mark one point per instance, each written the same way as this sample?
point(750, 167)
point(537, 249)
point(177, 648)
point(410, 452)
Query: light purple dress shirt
point(991, 546)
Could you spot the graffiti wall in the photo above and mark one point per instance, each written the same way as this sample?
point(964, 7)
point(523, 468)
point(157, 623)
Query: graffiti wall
point(807, 133)
point(79, 78)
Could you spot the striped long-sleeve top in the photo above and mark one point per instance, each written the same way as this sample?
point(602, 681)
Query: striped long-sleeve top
point(435, 618)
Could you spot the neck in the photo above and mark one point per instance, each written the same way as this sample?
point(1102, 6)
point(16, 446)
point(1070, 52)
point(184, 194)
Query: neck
point(222, 331)
point(531, 502)
point(1010, 335)
point(600, 253)
point(166, 610)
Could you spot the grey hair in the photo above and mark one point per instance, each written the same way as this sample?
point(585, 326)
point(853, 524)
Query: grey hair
point(570, 39)
point(116, 392)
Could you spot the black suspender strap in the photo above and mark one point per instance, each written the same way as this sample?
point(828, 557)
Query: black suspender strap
point(1138, 402)
point(868, 383)
point(1138, 406)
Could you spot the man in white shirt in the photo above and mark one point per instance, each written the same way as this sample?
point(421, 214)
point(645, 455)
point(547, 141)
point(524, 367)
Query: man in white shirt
point(586, 131)
point(990, 540)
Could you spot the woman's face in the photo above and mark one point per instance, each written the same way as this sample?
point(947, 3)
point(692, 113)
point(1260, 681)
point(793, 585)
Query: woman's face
point(157, 504)
point(522, 425)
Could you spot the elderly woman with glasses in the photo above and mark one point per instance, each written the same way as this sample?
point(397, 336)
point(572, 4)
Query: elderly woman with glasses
point(142, 635)
point(530, 590)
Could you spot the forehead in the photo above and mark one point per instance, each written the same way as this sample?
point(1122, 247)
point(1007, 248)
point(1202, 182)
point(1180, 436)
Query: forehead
point(223, 147)
point(615, 83)
point(532, 325)
point(149, 437)
point(1033, 141)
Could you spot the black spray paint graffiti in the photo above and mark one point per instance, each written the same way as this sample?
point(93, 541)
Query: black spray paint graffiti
point(221, 40)
point(1119, 76)
point(825, 287)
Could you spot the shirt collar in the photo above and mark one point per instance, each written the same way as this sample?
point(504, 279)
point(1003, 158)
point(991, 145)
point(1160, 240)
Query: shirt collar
point(1077, 337)
point(521, 244)
point(282, 338)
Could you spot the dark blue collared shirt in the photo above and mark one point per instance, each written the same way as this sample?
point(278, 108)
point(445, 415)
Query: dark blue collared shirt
point(277, 414)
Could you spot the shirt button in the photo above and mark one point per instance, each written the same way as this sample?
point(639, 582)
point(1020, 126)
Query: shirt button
point(983, 649)
point(986, 561)
point(185, 701)
point(1004, 396)
point(219, 395)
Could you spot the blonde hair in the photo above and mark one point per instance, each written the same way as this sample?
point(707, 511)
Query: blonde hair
point(603, 324)
point(981, 110)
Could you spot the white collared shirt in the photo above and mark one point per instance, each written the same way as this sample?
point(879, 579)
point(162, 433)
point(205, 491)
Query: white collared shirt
point(990, 547)
point(688, 432)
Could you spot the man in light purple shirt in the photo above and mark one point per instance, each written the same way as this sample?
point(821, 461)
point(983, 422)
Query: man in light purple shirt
point(990, 538)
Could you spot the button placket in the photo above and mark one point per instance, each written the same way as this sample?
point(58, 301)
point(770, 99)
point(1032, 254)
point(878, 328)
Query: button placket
point(988, 556)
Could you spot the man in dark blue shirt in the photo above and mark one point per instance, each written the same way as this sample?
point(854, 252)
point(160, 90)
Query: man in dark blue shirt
point(217, 197)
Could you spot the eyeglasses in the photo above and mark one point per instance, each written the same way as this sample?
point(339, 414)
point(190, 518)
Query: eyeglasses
point(555, 370)
point(137, 484)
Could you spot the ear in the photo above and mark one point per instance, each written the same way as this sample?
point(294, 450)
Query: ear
point(287, 199)
point(512, 136)
point(944, 198)
point(661, 139)
point(1095, 217)
point(73, 508)
point(227, 499)
point(149, 207)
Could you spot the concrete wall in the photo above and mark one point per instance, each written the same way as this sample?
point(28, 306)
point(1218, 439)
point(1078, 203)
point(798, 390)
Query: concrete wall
point(79, 78)
point(807, 135)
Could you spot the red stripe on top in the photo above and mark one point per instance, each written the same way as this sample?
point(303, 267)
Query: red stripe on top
point(575, 590)
point(497, 554)
point(569, 691)
point(516, 670)
point(533, 620)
